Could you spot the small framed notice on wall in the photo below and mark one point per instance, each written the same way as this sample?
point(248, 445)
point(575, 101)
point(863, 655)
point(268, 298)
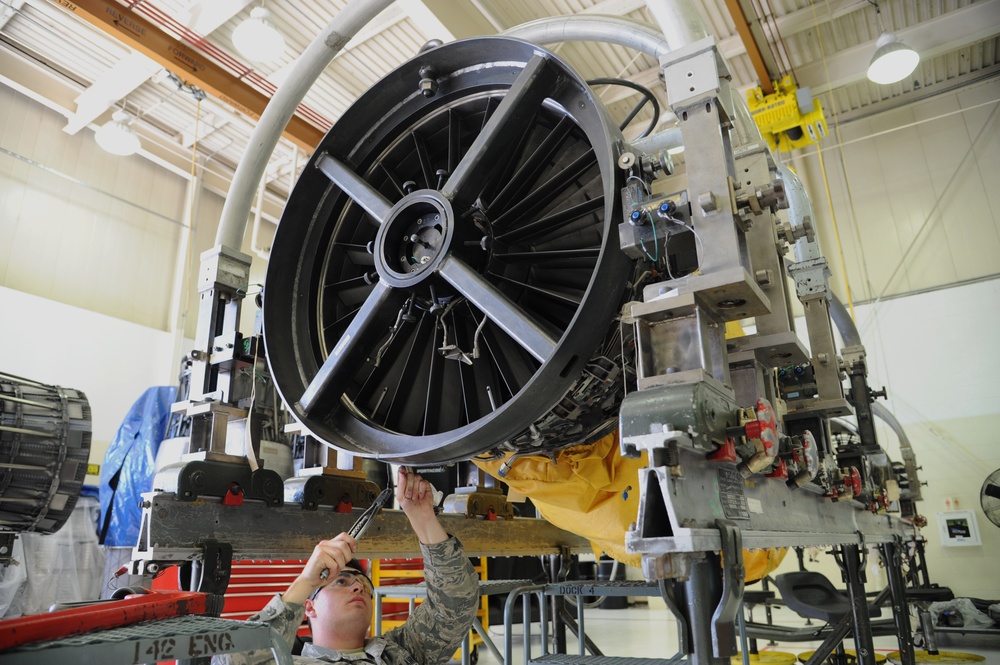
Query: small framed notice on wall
point(958, 528)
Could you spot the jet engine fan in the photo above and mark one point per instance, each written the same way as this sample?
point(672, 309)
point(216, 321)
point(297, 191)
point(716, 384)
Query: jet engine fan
point(445, 275)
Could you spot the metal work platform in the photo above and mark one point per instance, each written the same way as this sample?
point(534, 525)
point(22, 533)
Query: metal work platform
point(578, 590)
point(414, 591)
point(175, 638)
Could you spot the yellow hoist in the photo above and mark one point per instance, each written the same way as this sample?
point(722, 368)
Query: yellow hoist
point(789, 118)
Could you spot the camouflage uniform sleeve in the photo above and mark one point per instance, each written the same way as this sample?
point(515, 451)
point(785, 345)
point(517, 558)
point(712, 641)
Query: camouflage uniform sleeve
point(281, 616)
point(436, 628)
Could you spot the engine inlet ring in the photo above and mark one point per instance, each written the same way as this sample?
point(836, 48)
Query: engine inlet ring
point(419, 340)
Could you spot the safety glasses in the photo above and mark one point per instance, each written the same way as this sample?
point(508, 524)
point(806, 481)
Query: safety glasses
point(347, 578)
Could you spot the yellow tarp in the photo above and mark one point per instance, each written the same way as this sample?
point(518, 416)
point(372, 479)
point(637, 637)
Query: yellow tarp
point(588, 491)
point(592, 491)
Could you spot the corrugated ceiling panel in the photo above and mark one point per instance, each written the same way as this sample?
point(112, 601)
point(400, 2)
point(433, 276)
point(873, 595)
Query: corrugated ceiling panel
point(72, 46)
point(717, 19)
point(39, 28)
point(356, 70)
point(516, 12)
point(932, 74)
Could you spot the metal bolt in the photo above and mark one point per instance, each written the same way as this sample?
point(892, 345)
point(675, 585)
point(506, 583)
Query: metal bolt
point(428, 84)
point(707, 202)
point(626, 160)
point(428, 87)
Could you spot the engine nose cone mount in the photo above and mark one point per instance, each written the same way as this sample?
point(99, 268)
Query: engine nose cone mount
point(415, 239)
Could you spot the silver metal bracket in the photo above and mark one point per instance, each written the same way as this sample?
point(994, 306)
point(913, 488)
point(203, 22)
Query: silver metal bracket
point(473, 502)
point(812, 278)
point(733, 579)
point(694, 72)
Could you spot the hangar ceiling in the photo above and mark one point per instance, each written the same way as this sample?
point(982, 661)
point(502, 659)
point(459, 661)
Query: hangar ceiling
point(77, 67)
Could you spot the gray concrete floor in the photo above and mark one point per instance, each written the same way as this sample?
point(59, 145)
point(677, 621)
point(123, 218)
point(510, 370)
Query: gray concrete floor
point(651, 632)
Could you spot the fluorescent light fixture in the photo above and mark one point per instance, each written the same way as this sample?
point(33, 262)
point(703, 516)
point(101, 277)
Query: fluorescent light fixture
point(257, 38)
point(117, 137)
point(893, 60)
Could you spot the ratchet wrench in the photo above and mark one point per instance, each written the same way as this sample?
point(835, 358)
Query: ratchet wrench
point(361, 526)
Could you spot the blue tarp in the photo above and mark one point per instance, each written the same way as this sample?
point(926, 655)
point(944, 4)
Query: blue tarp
point(128, 467)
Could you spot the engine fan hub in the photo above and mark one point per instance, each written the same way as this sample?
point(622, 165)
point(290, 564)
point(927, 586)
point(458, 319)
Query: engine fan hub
point(415, 239)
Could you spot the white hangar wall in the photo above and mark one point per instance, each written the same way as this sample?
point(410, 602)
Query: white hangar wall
point(90, 246)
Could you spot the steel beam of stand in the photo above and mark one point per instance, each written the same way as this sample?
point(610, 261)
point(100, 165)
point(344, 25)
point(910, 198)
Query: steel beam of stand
point(560, 568)
point(172, 530)
point(702, 592)
point(863, 643)
point(900, 609)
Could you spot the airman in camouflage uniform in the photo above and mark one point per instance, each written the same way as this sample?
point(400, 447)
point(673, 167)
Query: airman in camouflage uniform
point(339, 607)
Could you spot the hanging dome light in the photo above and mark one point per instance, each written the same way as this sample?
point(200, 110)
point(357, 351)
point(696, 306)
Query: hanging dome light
point(117, 137)
point(893, 60)
point(257, 38)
